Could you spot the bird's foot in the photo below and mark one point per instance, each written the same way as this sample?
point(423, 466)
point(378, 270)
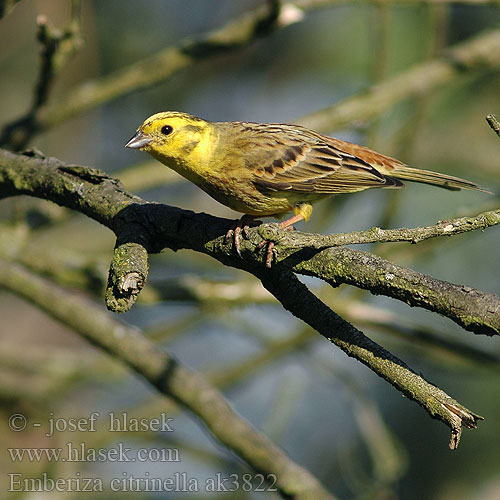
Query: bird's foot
point(286, 224)
point(240, 229)
point(270, 250)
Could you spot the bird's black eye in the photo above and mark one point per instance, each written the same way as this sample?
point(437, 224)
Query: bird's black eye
point(166, 130)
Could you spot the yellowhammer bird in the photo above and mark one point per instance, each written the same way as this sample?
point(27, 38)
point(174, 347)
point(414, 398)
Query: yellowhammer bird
point(269, 169)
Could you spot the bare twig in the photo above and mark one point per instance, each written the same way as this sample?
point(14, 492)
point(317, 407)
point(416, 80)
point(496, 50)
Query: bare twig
point(493, 123)
point(57, 48)
point(480, 52)
point(6, 6)
point(234, 35)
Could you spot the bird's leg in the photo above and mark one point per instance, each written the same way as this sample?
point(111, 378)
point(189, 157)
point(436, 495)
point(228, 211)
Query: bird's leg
point(291, 221)
point(241, 226)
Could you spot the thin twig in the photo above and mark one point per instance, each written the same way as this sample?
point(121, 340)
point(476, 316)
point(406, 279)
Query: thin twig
point(6, 6)
point(377, 235)
point(493, 123)
point(58, 46)
point(480, 52)
point(235, 35)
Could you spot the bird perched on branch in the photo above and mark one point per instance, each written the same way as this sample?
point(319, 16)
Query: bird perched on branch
point(269, 169)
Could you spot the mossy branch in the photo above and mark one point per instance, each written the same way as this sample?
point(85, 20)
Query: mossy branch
point(296, 298)
point(377, 235)
point(154, 227)
point(170, 377)
point(143, 227)
point(472, 309)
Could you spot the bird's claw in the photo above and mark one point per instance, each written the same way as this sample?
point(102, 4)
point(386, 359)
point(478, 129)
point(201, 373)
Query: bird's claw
point(239, 230)
point(271, 250)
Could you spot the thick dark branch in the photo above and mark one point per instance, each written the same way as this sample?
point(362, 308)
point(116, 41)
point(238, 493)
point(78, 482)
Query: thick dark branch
point(297, 299)
point(472, 309)
point(169, 376)
point(155, 227)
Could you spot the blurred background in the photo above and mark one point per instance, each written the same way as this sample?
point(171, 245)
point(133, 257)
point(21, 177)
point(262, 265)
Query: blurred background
point(330, 413)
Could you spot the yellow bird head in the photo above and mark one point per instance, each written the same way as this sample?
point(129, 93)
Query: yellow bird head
point(171, 137)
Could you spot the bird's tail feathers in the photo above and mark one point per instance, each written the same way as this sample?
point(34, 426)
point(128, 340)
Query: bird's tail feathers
point(434, 178)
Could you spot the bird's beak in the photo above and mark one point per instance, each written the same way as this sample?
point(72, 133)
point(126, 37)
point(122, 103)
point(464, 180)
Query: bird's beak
point(138, 140)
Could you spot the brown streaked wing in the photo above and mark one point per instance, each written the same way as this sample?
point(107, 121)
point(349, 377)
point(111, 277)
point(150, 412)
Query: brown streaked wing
point(287, 157)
